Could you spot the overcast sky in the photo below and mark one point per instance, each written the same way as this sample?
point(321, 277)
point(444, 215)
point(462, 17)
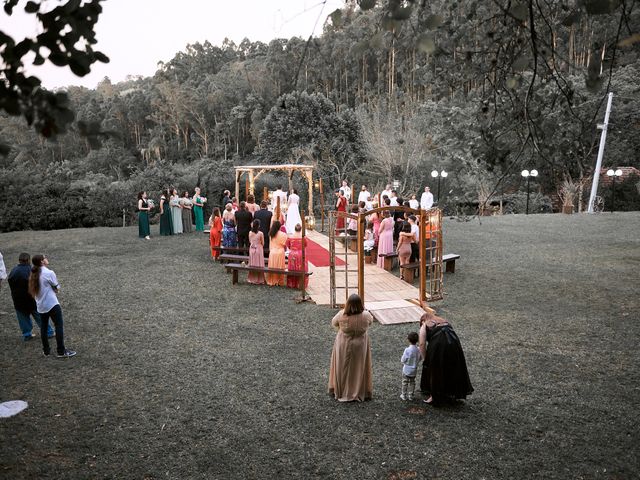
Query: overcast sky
point(137, 34)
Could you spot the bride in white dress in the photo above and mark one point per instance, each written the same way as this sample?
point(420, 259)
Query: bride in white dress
point(293, 212)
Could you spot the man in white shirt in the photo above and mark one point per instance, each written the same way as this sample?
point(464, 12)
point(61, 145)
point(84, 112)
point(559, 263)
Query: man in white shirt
point(364, 194)
point(386, 192)
point(346, 190)
point(413, 203)
point(394, 198)
point(283, 199)
point(426, 201)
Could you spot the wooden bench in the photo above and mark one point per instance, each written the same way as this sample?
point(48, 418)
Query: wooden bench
point(234, 268)
point(231, 258)
point(388, 260)
point(409, 270)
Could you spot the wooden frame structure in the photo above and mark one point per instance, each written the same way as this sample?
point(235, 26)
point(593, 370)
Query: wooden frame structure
point(429, 291)
point(254, 171)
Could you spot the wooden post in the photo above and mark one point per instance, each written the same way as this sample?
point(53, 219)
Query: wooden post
point(422, 244)
point(252, 186)
point(303, 278)
point(290, 181)
point(321, 203)
point(309, 175)
point(246, 189)
point(238, 174)
point(265, 194)
point(361, 228)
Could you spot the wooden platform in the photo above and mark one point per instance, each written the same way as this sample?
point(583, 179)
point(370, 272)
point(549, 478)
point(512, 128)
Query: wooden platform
point(387, 297)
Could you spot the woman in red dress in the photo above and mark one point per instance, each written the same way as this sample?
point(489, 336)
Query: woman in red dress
point(295, 243)
point(215, 234)
point(341, 206)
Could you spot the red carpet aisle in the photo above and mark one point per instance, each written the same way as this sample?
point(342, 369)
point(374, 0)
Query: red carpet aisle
point(318, 255)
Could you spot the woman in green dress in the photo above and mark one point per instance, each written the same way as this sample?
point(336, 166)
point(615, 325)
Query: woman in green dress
point(143, 216)
point(198, 204)
point(166, 224)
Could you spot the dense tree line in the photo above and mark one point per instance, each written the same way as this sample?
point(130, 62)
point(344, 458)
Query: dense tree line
point(390, 90)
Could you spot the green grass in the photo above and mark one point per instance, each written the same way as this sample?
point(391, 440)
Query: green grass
point(181, 375)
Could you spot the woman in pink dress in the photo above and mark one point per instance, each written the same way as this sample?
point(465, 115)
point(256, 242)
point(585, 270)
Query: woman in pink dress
point(385, 242)
point(294, 244)
point(256, 253)
point(341, 206)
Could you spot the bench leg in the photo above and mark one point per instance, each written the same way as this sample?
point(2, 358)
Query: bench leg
point(450, 266)
point(407, 274)
point(388, 264)
point(234, 278)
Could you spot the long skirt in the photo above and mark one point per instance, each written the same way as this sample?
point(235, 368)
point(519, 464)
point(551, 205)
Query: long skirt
point(143, 225)
point(176, 216)
point(187, 224)
point(295, 264)
point(256, 259)
point(215, 237)
point(166, 224)
point(444, 371)
point(276, 260)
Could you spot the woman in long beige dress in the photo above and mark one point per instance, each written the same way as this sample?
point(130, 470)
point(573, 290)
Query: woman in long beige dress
point(351, 373)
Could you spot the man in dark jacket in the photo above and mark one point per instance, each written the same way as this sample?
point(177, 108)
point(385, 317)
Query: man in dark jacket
point(24, 303)
point(264, 216)
point(243, 225)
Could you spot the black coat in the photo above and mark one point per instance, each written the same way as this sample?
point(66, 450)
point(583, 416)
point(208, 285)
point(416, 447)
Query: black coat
point(264, 216)
point(243, 222)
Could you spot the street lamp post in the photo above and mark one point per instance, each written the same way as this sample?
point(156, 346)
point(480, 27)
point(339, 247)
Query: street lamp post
point(528, 174)
point(614, 174)
point(439, 175)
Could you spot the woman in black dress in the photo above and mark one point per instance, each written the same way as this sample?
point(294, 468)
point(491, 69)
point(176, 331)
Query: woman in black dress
point(444, 370)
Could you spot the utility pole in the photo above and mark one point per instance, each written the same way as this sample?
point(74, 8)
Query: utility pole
point(603, 138)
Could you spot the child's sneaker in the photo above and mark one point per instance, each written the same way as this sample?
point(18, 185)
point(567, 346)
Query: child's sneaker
point(403, 397)
point(67, 353)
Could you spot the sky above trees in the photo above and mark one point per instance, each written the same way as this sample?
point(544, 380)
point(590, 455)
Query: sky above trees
point(136, 35)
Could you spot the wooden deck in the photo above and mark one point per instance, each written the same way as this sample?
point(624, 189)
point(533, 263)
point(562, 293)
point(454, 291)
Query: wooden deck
point(388, 298)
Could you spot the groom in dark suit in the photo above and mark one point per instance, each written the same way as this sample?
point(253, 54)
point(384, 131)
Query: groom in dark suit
point(243, 225)
point(264, 216)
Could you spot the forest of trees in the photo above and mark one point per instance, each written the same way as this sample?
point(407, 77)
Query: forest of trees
point(481, 89)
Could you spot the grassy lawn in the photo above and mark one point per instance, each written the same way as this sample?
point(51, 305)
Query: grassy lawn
point(179, 375)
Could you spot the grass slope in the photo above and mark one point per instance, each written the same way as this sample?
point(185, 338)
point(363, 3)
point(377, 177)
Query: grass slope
point(181, 375)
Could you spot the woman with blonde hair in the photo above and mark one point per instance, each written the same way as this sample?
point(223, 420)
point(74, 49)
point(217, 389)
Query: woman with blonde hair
point(351, 372)
point(229, 236)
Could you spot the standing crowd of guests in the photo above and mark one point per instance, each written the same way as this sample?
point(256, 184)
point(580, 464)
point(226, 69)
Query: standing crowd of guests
point(177, 212)
point(269, 230)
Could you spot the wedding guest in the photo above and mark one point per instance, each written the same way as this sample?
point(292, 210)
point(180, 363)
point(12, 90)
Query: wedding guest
point(229, 237)
point(341, 206)
point(252, 206)
point(187, 206)
point(144, 230)
point(385, 237)
point(346, 190)
point(264, 215)
point(234, 204)
point(226, 198)
point(364, 194)
point(414, 203)
point(256, 253)
point(215, 233)
point(198, 204)
point(394, 198)
point(426, 200)
point(176, 211)
point(410, 359)
point(295, 244)
point(415, 230)
point(369, 238)
point(444, 370)
point(386, 192)
point(43, 287)
point(351, 372)
point(3, 270)
point(277, 243)
point(403, 248)
point(352, 225)
point(23, 302)
point(243, 225)
point(166, 223)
